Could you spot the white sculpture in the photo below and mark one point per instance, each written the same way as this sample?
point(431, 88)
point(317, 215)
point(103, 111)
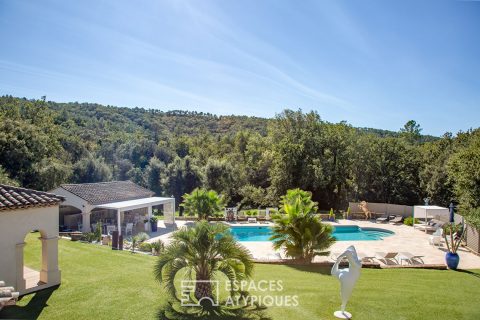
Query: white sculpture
point(348, 277)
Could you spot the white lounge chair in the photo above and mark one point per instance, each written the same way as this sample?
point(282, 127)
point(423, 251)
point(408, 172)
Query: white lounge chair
point(410, 258)
point(365, 257)
point(396, 220)
point(436, 238)
point(387, 258)
point(424, 226)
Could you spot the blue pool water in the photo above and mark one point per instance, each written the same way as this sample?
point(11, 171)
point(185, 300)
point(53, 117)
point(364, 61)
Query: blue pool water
point(341, 233)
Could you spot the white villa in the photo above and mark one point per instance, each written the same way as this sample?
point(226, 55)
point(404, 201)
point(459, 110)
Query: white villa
point(118, 205)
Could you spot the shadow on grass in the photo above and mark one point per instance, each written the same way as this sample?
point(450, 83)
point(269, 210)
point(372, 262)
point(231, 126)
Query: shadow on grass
point(177, 312)
point(312, 268)
point(32, 310)
point(475, 274)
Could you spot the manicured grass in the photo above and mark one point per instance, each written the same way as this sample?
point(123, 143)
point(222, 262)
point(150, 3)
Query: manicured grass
point(104, 284)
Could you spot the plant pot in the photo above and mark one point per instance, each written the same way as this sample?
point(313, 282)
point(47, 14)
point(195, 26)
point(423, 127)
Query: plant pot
point(452, 260)
point(154, 227)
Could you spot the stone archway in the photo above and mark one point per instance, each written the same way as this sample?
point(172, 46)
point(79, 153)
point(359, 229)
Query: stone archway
point(28, 279)
point(21, 211)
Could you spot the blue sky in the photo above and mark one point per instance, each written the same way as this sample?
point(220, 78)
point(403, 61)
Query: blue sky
point(371, 63)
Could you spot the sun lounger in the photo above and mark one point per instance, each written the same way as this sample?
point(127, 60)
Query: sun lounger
point(387, 258)
point(383, 219)
point(410, 258)
point(252, 220)
point(424, 226)
point(241, 216)
point(274, 256)
point(396, 220)
point(364, 257)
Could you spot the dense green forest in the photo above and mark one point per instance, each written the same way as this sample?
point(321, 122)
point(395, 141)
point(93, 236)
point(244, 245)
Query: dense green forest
point(252, 161)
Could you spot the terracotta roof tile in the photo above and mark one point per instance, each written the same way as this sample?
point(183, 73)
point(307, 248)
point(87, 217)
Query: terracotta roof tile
point(17, 198)
point(106, 192)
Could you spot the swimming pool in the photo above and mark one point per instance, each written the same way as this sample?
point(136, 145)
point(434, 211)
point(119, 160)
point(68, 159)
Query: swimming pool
point(341, 233)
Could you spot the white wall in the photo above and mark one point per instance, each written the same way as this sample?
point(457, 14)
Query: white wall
point(384, 208)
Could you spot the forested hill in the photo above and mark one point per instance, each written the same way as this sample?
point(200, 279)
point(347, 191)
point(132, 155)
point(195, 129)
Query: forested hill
point(178, 122)
point(157, 122)
point(252, 161)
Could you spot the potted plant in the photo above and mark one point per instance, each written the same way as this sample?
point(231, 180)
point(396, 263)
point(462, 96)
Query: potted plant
point(331, 215)
point(146, 222)
point(453, 235)
point(153, 223)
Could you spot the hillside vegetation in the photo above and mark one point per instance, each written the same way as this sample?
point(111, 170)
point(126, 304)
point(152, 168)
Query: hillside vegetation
point(252, 161)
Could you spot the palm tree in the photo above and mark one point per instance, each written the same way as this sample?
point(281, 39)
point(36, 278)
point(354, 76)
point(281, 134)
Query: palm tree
point(203, 252)
point(299, 232)
point(305, 198)
point(202, 203)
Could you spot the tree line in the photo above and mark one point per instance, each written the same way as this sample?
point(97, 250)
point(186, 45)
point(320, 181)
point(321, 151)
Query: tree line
point(251, 161)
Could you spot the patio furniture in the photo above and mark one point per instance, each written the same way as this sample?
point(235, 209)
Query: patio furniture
point(262, 215)
point(128, 229)
point(387, 258)
point(252, 220)
point(396, 220)
point(365, 257)
point(410, 258)
point(436, 238)
point(384, 218)
point(241, 216)
point(110, 229)
point(274, 256)
point(431, 225)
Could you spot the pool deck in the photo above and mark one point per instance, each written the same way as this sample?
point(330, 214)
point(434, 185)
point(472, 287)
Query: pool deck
point(405, 239)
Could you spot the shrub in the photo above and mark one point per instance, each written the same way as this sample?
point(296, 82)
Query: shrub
point(153, 220)
point(138, 239)
point(157, 247)
point(88, 236)
point(98, 232)
point(409, 221)
point(145, 247)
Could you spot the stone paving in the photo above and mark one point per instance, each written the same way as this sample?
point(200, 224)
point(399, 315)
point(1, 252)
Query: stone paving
point(405, 239)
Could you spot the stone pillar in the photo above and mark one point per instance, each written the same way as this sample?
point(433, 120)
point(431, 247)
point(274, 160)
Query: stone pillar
point(86, 222)
point(50, 273)
point(149, 212)
point(169, 211)
point(148, 225)
point(119, 222)
point(21, 284)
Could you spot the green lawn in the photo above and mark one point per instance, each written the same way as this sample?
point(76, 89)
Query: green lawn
point(104, 284)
